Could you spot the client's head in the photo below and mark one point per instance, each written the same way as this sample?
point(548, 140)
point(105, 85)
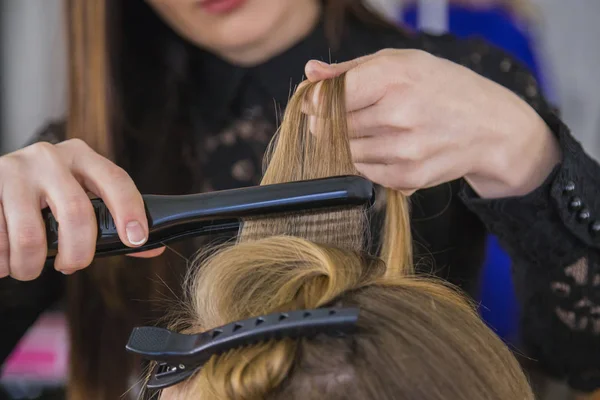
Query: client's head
point(416, 338)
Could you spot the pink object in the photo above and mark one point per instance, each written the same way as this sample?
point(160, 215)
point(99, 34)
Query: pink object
point(42, 355)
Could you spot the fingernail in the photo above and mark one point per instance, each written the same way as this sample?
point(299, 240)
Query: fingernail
point(68, 272)
point(135, 233)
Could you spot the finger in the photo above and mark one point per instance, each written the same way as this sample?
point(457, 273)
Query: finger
point(117, 190)
point(149, 253)
point(316, 70)
point(4, 247)
point(395, 147)
point(380, 174)
point(380, 149)
point(317, 126)
point(26, 232)
point(376, 120)
point(311, 98)
point(365, 85)
point(77, 223)
point(410, 176)
point(384, 175)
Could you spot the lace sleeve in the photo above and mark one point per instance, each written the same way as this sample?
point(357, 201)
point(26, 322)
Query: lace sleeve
point(553, 238)
point(555, 247)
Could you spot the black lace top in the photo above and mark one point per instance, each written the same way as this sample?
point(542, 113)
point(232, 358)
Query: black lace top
point(552, 234)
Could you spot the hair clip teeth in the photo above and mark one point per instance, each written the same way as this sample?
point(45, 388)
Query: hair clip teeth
point(180, 355)
point(166, 375)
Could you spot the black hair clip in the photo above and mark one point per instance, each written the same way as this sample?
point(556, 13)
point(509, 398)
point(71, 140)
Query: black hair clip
point(180, 355)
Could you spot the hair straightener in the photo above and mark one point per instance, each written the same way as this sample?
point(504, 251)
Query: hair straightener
point(172, 218)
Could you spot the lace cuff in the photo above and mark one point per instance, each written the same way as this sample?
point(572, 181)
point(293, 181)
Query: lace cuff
point(566, 207)
point(553, 238)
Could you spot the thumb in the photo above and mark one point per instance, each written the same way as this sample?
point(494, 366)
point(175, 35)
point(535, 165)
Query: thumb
point(316, 70)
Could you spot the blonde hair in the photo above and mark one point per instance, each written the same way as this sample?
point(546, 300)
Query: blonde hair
point(296, 153)
point(416, 338)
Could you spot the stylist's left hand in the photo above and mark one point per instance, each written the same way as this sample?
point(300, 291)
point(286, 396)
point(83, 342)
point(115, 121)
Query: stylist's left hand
point(417, 121)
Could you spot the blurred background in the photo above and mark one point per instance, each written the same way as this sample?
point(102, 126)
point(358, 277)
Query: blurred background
point(557, 39)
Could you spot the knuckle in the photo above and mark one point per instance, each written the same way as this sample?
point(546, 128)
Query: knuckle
point(411, 180)
point(79, 253)
point(117, 174)
point(38, 155)
point(409, 119)
point(416, 152)
point(417, 65)
point(396, 119)
point(42, 150)
point(11, 164)
point(419, 56)
point(388, 60)
point(76, 211)
point(410, 151)
point(375, 68)
point(30, 239)
point(413, 177)
point(386, 52)
point(76, 144)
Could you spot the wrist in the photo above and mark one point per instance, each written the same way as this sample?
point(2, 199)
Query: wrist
point(521, 164)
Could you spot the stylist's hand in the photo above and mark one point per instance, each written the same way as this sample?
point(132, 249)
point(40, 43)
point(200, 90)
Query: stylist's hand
point(417, 121)
point(60, 176)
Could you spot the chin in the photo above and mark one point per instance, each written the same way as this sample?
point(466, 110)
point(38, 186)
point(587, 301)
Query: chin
point(235, 36)
point(235, 31)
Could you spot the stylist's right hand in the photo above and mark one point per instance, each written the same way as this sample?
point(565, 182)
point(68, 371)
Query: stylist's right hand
point(60, 176)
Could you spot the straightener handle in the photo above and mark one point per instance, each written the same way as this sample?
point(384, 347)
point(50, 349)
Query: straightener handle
point(107, 230)
point(173, 218)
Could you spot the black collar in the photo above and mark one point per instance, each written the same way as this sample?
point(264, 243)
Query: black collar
point(282, 73)
point(218, 82)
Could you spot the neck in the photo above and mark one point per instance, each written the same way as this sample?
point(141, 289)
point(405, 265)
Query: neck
point(291, 30)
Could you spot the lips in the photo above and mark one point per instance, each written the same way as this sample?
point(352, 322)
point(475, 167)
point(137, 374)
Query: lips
point(220, 6)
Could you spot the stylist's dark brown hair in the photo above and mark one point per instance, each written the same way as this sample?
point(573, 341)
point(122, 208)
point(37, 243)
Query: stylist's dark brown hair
point(128, 101)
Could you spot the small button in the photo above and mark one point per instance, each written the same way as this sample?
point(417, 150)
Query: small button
point(584, 215)
point(569, 187)
point(595, 228)
point(575, 204)
point(505, 65)
point(531, 91)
